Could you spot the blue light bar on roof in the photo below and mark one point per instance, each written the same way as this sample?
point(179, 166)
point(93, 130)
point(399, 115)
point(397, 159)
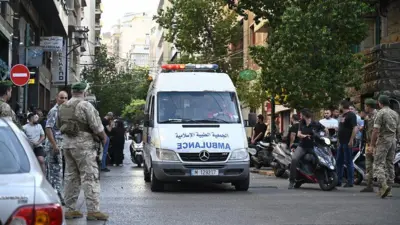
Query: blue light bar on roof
point(201, 66)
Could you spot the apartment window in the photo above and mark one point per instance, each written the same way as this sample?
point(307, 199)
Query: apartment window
point(46, 55)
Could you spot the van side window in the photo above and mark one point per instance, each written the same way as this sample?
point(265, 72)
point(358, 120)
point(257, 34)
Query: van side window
point(147, 106)
point(152, 108)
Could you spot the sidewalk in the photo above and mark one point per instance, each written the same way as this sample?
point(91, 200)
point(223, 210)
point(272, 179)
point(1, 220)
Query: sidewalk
point(267, 171)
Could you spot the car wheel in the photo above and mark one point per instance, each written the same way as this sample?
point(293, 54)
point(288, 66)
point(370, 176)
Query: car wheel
point(242, 185)
point(156, 184)
point(146, 173)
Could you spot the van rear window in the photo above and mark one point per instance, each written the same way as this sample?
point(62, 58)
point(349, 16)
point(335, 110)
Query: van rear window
point(197, 107)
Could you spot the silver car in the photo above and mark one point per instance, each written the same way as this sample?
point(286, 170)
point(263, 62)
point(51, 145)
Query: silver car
point(25, 195)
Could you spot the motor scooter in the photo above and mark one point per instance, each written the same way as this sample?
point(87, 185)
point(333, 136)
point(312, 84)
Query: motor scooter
point(261, 153)
point(318, 166)
point(136, 149)
point(282, 159)
point(397, 164)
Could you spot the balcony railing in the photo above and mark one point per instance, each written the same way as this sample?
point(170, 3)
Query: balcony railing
point(98, 9)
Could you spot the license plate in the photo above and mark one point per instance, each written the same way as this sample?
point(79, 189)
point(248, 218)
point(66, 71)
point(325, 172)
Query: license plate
point(205, 172)
point(138, 153)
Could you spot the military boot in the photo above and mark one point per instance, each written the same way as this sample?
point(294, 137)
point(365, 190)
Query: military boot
point(384, 190)
point(97, 216)
point(73, 215)
point(389, 194)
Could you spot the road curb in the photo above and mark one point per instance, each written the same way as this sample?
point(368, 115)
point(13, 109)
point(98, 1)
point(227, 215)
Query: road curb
point(263, 172)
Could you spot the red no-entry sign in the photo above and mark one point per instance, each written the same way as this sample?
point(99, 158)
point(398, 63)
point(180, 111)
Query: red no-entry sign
point(20, 75)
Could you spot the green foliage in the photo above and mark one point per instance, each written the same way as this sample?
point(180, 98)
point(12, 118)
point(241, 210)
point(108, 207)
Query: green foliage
point(135, 110)
point(114, 89)
point(309, 57)
point(202, 31)
point(199, 27)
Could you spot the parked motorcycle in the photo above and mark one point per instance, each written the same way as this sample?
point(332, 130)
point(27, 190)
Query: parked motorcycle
point(397, 164)
point(319, 166)
point(136, 149)
point(262, 157)
point(359, 163)
point(282, 159)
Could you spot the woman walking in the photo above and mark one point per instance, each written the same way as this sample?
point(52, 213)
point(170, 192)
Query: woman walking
point(117, 143)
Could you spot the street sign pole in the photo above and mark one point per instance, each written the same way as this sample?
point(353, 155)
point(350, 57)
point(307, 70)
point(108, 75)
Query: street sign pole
point(27, 44)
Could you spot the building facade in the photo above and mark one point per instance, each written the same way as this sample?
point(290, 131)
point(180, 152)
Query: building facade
point(92, 20)
point(161, 50)
point(41, 34)
point(381, 47)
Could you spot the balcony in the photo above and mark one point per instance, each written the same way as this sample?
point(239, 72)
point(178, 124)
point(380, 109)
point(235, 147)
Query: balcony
point(98, 9)
point(97, 26)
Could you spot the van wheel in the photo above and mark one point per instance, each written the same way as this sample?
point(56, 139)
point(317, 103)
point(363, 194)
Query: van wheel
point(156, 184)
point(146, 173)
point(242, 185)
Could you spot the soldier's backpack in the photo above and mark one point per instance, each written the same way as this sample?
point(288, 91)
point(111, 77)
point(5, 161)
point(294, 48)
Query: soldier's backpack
point(69, 123)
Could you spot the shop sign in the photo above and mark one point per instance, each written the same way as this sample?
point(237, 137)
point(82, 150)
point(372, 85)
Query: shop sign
point(52, 43)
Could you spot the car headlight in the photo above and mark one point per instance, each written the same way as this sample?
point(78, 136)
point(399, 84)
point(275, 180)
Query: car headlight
point(240, 154)
point(166, 155)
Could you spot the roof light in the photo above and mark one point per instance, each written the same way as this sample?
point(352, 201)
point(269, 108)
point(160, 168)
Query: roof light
point(173, 66)
point(189, 66)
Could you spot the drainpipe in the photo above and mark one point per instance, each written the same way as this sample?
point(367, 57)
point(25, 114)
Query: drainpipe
point(15, 48)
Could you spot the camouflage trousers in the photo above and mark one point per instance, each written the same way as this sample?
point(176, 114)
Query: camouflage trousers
point(369, 167)
point(54, 167)
point(383, 161)
point(81, 169)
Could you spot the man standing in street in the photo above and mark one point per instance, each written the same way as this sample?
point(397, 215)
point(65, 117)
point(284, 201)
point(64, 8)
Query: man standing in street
point(259, 130)
point(360, 127)
point(107, 123)
point(370, 106)
point(53, 147)
point(329, 123)
point(81, 127)
point(35, 134)
point(5, 96)
point(386, 126)
point(347, 133)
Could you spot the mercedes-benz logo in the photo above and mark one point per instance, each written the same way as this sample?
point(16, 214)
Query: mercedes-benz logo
point(204, 155)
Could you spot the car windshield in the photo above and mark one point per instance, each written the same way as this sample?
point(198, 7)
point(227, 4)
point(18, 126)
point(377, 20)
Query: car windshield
point(13, 158)
point(197, 107)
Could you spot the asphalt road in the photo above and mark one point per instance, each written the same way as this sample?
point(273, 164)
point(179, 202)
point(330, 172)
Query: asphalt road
point(128, 200)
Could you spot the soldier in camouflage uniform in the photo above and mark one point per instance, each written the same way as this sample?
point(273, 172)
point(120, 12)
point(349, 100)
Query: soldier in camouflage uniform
point(370, 106)
point(80, 124)
point(5, 96)
point(386, 126)
point(53, 147)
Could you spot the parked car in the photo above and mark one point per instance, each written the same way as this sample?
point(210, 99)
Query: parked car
point(25, 195)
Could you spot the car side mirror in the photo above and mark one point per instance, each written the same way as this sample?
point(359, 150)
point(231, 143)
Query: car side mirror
point(147, 121)
point(252, 119)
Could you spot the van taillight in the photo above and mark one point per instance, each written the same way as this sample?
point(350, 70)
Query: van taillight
point(50, 214)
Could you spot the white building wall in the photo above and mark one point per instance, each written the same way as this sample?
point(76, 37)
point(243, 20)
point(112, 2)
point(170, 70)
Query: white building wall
point(89, 21)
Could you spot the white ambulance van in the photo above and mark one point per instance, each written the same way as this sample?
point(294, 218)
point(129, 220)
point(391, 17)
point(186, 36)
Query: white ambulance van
point(193, 130)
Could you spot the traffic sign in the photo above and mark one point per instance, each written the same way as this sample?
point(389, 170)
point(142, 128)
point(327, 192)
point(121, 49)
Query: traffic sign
point(20, 75)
